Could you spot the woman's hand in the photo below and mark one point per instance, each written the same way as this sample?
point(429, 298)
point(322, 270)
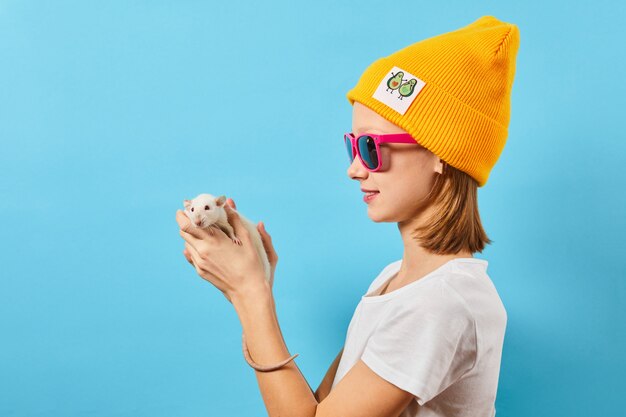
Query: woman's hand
point(231, 268)
point(272, 256)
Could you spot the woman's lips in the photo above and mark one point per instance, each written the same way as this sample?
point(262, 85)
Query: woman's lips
point(370, 196)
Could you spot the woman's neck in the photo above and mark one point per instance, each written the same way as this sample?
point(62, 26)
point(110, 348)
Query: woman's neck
point(418, 261)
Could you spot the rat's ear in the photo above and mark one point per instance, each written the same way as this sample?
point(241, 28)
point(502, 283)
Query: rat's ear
point(187, 203)
point(221, 200)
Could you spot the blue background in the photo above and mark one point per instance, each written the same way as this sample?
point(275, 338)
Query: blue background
point(112, 113)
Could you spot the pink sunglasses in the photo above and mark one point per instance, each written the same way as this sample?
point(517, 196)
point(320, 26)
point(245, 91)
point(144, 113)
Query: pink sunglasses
point(367, 147)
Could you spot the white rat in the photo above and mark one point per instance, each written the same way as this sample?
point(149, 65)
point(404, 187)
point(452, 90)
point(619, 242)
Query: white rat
point(206, 212)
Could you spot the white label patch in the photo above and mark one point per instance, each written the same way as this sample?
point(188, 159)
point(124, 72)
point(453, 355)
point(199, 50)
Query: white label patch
point(398, 89)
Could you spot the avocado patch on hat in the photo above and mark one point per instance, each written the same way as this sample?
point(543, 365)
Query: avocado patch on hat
point(398, 89)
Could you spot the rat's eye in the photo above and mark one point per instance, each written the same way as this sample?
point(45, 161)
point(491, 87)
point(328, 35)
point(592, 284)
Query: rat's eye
point(207, 207)
point(192, 209)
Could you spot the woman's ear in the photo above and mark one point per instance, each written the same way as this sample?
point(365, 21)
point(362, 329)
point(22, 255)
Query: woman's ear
point(438, 165)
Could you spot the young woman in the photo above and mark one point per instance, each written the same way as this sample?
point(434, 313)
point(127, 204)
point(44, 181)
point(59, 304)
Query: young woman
point(429, 123)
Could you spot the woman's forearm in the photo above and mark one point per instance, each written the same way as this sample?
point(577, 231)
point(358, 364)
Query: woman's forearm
point(276, 315)
point(285, 391)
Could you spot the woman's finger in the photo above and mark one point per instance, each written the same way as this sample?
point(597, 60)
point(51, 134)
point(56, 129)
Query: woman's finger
point(187, 256)
point(191, 254)
point(195, 258)
point(267, 243)
point(269, 239)
point(235, 221)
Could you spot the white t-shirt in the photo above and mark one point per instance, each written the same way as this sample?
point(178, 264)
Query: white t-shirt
point(439, 338)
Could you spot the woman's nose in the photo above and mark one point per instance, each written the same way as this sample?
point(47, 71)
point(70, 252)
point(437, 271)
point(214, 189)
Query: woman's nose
point(356, 169)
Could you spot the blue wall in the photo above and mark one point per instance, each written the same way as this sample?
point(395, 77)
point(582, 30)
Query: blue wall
point(112, 113)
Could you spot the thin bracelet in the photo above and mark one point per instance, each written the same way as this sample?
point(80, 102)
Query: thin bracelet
point(258, 367)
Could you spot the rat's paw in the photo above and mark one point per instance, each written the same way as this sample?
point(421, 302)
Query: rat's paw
point(236, 240)
point(211, 230)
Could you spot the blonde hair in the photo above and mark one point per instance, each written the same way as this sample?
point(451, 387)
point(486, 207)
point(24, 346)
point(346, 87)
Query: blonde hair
point(455, 223)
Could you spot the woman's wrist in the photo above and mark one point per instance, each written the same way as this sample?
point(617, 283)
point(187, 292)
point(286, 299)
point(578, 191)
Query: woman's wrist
point(249, 300)
point(259, 293)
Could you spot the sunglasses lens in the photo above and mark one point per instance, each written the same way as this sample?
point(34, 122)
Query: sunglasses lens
point(367, 148)
point(346, 141)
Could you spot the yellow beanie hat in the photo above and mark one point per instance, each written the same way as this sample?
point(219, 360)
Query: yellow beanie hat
point(451, 92)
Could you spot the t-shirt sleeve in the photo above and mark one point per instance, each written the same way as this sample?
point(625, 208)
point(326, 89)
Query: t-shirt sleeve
point(423, 344)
